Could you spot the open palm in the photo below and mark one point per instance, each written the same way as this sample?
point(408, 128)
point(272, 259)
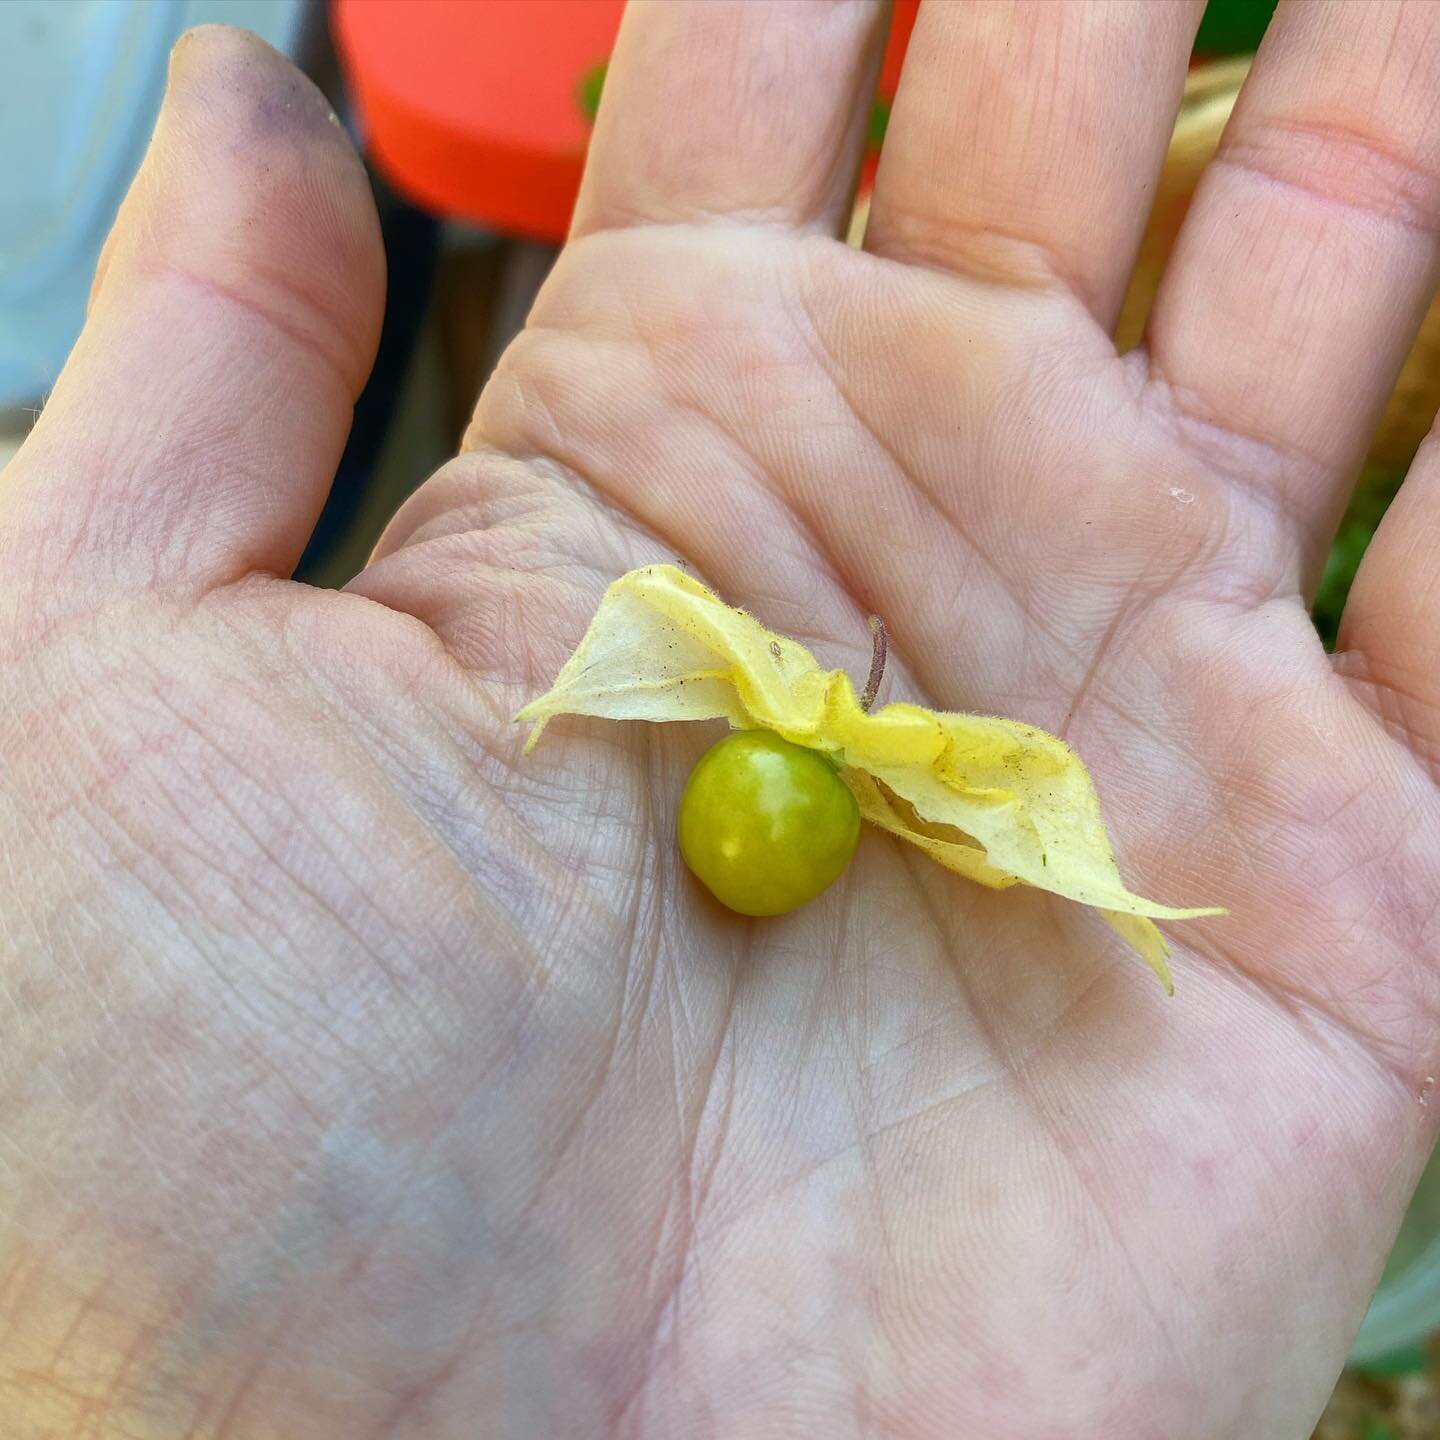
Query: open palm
point(361, 1077)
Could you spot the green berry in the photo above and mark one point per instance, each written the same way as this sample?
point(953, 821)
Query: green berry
point(766, 825)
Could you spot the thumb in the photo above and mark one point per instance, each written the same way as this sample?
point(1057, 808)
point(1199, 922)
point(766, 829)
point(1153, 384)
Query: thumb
point(194, 431)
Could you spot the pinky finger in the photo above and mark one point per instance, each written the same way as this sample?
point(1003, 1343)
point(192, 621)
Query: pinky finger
point(1389, 643)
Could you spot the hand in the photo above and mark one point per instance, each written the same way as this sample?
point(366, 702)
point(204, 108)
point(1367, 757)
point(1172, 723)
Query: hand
point(362, 1078)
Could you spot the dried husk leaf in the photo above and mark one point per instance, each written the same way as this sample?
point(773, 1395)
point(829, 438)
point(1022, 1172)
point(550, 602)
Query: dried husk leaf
point(995, 800)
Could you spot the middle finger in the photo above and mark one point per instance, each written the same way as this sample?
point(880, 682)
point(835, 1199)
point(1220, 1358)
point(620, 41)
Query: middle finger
point(1027, 137)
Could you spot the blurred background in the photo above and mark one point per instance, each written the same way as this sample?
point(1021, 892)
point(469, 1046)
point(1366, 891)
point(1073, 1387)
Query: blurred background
point(473, 117)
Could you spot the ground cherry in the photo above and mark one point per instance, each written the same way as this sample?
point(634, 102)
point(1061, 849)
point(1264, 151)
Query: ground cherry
point(766, 825)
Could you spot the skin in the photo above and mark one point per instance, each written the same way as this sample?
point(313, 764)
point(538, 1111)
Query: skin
point(766, 825)
point(360, 1078)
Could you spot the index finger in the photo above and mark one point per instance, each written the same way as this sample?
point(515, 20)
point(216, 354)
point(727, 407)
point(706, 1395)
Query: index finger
point(733, 110)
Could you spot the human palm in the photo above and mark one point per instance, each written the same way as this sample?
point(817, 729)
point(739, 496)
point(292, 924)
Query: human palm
point(363, 1076)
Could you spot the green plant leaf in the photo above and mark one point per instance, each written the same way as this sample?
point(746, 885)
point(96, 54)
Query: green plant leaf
point(1412, 1360)
point(1367, 507)
point(1232, 27)
point(588, 91)
point(879, 122)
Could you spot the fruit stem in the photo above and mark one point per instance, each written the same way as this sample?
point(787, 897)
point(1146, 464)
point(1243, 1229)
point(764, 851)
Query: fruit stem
point(877, 663)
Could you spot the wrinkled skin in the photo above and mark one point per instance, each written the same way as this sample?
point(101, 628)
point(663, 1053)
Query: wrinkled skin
point(360, 1078)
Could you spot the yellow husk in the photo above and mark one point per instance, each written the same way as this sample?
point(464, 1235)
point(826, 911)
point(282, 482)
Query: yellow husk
point(663, 647)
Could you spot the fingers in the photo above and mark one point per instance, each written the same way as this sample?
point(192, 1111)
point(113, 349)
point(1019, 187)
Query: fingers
point(732, 109)
point(1026, 139)
point(195, 429)
point(1389, 642)
point(1308, 257)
